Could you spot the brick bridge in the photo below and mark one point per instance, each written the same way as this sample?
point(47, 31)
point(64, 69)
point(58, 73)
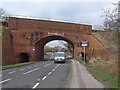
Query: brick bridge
point(25, 38)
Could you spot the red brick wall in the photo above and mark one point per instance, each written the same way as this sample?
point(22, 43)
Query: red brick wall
point(30, 24)
point(94, 49)
point(7, 49)
point(27, 32)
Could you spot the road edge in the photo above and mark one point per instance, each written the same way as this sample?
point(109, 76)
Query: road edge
point(69, 76)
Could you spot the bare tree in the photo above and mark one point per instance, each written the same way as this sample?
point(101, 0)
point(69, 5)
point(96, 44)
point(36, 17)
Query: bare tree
point(68, 46)
point(111, 18)
point(3, 15)
point(119, 16)
point(2, 12)
point(3, 21)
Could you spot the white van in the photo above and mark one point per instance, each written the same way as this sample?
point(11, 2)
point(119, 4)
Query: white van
point(59, 57)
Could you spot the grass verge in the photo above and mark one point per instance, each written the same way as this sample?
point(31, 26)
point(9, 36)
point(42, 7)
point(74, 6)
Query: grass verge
point(46, 56)
point(14, 65)
point(108, 80)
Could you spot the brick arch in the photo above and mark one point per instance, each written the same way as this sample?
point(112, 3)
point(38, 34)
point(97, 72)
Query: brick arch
point(47, 39)
point(29, 33)
point(23, 57)
point(39, 46)
point(16, 55)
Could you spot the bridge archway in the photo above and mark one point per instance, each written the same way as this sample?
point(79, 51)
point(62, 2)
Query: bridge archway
point(23, 57)
point(39, 46)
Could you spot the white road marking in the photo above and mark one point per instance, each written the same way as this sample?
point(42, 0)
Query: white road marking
point(12, 72)
point(5, 81)
point(49, 73)
point(21, 69)
point(0, 75)
point(53, 70)
point(58, 65)
point(55, 67)
point(47, 64)
point(35, 85)
point(31, 71)
point(44, 77)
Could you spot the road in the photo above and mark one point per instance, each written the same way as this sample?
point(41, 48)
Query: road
point(47, 74)
point(43, 74)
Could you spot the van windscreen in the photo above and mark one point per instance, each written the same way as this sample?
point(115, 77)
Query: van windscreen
point(59, 55)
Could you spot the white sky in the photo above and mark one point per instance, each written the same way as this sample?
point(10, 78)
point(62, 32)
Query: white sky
point(59, 1)
point(56, 43)
point(80, 11)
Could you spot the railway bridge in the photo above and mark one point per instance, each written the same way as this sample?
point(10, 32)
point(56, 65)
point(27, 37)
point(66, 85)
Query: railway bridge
point(25, 39)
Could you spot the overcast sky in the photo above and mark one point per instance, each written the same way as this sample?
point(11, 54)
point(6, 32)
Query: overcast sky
point(80, 11)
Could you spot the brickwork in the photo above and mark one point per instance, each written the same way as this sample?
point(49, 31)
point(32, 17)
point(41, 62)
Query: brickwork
point(29, 36)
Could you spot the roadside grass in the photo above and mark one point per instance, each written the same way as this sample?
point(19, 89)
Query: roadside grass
point(46, 56)
point(108, 80)
point(14, 65)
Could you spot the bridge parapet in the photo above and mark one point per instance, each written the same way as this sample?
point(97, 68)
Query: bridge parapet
point(31, 24)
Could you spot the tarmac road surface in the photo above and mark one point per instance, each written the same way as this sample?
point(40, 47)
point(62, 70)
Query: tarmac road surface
point(45, 74)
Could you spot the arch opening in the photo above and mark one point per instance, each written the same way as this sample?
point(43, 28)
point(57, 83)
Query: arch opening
point(39, 47)
point(23, 57)
point(57, 46)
